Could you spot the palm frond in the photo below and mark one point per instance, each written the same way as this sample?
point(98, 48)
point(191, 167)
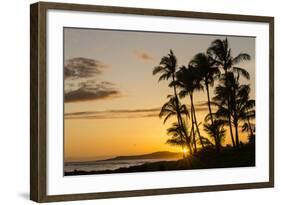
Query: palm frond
point(164, 76)
point(241, 57)
point(242, 71)
point(158, 69)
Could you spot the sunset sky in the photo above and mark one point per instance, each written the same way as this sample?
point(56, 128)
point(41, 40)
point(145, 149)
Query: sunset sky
point(112, 100)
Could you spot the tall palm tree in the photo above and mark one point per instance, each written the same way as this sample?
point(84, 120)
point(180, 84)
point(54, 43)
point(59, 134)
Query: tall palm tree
point(169, 109)
point(167, 69)
point(221, 54)
point(187, 80)
point(208, 72)
point(236, 100)
point(223, 101)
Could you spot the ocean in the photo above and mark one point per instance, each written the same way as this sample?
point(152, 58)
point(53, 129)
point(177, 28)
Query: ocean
point(108, 164)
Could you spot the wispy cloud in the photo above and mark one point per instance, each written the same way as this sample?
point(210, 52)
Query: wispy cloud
point(201, 106)
point(142, 55)
point(82, 67)
point(92, 90)
point(114, 114)
point(124, 113)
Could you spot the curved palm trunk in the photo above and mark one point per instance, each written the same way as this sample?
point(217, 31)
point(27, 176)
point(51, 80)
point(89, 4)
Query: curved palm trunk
point(230, 130)
point(211, 115)
point(229, 114)
point(195, 121)
point(190, 135)
point(179, 114)
point(182, 146)
point(236, 133)
point(192, 131)
point(237, 136)
point(209, 102)
point(235, 120)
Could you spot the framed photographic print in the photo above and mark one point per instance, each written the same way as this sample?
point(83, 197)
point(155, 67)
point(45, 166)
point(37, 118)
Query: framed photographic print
point(134, 102)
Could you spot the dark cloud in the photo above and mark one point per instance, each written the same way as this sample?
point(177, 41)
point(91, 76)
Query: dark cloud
point(82, 68)
point(114, 114)
point(81, 81)
point(143, 55)
point(92, 90)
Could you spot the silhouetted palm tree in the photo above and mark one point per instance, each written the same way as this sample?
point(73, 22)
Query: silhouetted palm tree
point(223, 99)
point(208, 72)
point(216, 129)
point(176, 132)
point(221, 54)
point(167, 69)
point(187, 80)
point(169, 109)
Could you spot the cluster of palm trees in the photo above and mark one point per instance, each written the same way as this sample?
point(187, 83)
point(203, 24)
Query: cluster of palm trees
point(230, 105)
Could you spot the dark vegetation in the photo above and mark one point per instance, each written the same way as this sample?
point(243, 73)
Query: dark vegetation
point(201, 160)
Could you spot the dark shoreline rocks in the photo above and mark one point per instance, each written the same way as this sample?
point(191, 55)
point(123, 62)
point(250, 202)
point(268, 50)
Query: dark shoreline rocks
point(227, 158)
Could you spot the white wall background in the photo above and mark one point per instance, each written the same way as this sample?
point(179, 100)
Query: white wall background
point(14, 101)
